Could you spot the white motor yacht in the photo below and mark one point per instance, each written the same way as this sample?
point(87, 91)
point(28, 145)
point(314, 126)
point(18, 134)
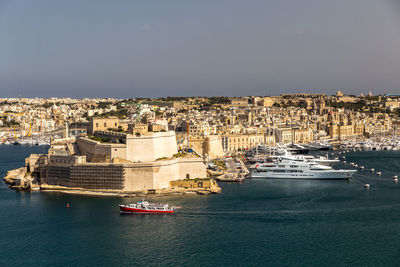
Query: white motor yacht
point(291, 169)
point(322, 160)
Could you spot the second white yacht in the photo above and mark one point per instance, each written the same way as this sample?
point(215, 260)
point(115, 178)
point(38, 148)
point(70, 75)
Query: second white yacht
point(322, 160)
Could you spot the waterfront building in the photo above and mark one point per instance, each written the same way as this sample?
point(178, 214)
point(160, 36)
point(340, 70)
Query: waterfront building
point(118, 162)
point(284, 135)
point(241, 142)
point(303, 136)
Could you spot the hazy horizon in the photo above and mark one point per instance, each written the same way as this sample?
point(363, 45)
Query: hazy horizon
point(125, 49)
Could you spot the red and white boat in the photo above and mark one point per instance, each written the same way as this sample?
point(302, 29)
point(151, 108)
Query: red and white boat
point(146, 207)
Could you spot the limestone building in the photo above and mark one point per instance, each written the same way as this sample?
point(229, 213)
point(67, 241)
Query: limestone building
point(103, 124)
point(119, 162)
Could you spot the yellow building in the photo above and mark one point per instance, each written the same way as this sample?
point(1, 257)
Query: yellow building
point(102, 124)
point(333, 131)
point(266, 102)
point(303, 135)
point(343, 132)
point(359, 129)
point(392, 104)
point(240, 142)
point(346, 131)
point(238, 102)
point(284, 135)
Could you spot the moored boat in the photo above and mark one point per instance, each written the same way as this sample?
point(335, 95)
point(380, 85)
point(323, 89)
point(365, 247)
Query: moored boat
point(291, 169)
point(146, 207)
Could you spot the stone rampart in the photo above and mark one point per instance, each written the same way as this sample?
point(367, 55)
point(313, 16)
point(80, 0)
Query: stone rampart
point(100, 152)
point(151, 146)
point(126, 177)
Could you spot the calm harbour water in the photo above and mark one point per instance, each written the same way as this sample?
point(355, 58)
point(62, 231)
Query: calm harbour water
point(259, 222)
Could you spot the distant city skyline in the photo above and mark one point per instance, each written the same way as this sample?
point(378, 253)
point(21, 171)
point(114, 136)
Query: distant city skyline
point(126, 49)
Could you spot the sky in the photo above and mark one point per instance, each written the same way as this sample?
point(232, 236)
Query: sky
point(122, 49)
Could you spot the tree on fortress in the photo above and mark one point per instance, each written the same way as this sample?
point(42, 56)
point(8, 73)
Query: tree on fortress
point(276, 104)
point(48, 104)
point(120, 113)
point(219, 100)
point(173, 98)
point(357, 106)
point(105, 104)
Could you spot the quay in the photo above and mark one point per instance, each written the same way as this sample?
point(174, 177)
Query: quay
point(235, 173)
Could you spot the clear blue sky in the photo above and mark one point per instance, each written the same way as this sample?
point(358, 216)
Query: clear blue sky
point(148, 48)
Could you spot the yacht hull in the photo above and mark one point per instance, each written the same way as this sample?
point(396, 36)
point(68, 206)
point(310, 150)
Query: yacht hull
point(334, 175)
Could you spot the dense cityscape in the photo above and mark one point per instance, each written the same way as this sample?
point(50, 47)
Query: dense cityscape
point(165, 145)
point(240, 122)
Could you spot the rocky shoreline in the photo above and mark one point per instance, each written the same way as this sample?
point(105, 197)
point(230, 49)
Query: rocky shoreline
point(20, 179)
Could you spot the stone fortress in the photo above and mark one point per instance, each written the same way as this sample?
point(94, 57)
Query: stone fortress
point(143, 159)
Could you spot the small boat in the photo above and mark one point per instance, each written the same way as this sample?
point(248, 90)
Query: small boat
point(146, 207)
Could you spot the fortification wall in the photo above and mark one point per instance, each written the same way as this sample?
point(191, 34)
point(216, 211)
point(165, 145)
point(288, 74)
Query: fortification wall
point(194, 168)
point(210, 146)
point(165, 144)
point(147, 148)
point(158, 175)
point(155, 175)
point(128, 177)
point(57, 175)
point(138, 178)
point(163, 174)
point(204, 183)
point(214, 147)
point(97, 176)
point(88, 176)
point(98, 152)
point(199, 145)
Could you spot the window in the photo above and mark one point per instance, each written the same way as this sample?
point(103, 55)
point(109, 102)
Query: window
point(115, 124)
point(105, 124)
point(97, 124)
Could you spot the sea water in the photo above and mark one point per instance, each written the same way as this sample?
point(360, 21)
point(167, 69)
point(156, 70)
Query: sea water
point(260, 222)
